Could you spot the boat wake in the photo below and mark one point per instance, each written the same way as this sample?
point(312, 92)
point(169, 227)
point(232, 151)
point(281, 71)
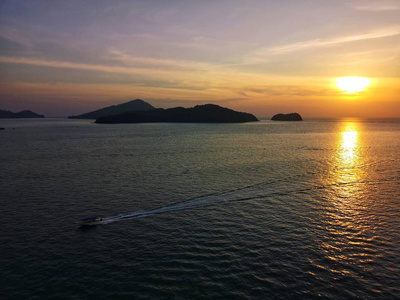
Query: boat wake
point(239, 194)
point(259, 191)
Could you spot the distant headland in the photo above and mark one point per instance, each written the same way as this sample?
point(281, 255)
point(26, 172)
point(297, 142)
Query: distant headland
point(287, 117)
point(22, 114)
point(140, 111)
point(208, 113)
point(134, 105)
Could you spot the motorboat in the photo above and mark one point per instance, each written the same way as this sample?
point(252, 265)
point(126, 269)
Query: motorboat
point(90, 221)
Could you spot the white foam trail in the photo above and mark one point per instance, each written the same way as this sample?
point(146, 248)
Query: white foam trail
point(256, 191)
point(236, 195)
point(198, 202)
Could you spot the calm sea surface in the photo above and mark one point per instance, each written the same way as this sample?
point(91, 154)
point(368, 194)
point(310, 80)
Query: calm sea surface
point(260, 210)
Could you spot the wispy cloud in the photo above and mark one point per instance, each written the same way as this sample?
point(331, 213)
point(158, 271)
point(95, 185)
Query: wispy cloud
point(379, 8)
point(15, 36)
point(156, 74)
point(376, 6)
point(129, 70)
point(161, 63)
point(378, 56)
point(317, 43)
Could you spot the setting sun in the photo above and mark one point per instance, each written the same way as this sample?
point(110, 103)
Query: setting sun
point(352, 84)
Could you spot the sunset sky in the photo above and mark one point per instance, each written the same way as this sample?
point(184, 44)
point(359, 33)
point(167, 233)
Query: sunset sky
point(60, 58)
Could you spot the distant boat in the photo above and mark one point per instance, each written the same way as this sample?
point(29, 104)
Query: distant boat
point(90, 221)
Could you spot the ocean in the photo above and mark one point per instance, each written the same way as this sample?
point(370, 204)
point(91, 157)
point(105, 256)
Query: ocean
point(264, 210)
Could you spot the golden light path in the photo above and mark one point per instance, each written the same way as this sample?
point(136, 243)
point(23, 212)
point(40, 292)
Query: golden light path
point(352, 84)
point(349, 144)
point(348, 160)
point(347, 173)
point(347, 212)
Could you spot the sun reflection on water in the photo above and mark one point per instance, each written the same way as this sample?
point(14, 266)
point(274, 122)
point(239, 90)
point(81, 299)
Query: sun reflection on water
point(349, 146)
point(349, 228)
point(348, 155)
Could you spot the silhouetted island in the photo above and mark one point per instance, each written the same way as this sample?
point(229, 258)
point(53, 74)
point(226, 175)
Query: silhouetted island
point(287, 117)
point(134, 105)
point(22, 114)
point(208, 113)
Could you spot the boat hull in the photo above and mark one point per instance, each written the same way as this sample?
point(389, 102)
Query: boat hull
point(90, 221)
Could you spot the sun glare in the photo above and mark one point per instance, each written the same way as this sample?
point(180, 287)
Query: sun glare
point(352, 84)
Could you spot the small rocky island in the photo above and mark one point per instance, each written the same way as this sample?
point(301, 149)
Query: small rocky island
point(22, 114)
point(287, 117)
point(208, 113)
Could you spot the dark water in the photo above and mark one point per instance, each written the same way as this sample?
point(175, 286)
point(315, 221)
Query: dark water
point(260, 210)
